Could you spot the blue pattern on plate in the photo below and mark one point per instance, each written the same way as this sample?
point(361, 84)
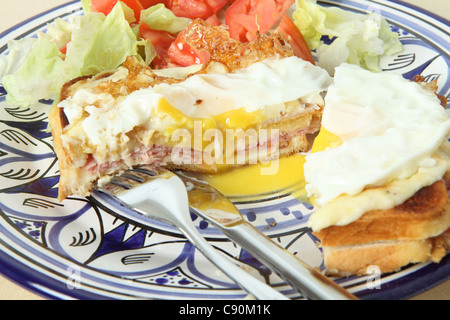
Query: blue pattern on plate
point(80, 249)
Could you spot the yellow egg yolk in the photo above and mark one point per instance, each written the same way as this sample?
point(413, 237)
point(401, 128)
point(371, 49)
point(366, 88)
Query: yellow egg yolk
point(324, 140)
point(248, 181)
point(234, 119)
point(175, 119)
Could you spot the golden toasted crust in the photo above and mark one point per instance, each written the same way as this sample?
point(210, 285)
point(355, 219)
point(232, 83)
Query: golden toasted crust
point(58, 121)
point(424, 215)
point(432, 86)
point(386, 256)
point(412, 232)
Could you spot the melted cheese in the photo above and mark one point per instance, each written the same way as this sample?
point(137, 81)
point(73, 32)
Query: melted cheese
point(346, 209)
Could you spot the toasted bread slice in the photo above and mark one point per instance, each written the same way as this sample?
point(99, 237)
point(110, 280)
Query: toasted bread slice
point(382, 257)
point(390, 239)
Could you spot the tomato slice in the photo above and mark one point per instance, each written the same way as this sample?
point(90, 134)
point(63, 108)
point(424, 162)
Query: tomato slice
point(106, 6)
point(195, 8)
point(295, 38)
point(214, 21)
point(63, 49)
point(161, 40)
point(182, 54)
point(150, 3)
point(245, 18)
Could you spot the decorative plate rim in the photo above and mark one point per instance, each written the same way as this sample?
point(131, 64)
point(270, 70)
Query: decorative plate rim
point(45, 286)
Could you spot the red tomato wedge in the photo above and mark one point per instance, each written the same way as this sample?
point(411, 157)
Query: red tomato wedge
point(106, 6)
point(214, 21)
point(195, 8)
point(182, 54)
point(295, 38)
point(245, 18)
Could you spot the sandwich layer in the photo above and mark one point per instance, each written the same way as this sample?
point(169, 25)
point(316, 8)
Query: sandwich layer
point(425, 215)
point(411, 232)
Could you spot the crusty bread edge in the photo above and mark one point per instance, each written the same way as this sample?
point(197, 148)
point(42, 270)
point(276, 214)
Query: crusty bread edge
point(385, 256)
point(402, 222)
point(57, 125)
point(427, 240)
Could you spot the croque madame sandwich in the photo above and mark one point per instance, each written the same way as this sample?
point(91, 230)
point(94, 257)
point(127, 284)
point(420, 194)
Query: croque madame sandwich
point(134, 115)
point(378, 172)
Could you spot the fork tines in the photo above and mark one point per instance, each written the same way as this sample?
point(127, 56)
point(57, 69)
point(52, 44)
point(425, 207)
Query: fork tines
point(129, 179)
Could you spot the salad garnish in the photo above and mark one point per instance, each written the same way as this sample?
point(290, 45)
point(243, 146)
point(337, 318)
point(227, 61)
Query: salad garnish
point(109, 31)
point(359, 39)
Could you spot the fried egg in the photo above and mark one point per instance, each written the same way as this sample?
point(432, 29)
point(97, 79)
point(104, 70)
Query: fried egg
point(377, 129)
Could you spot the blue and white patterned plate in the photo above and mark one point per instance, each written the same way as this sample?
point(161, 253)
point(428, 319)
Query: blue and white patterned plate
point(79, 250)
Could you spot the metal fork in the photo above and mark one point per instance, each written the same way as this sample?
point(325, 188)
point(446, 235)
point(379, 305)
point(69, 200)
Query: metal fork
point(217, 209)
point(162, 195)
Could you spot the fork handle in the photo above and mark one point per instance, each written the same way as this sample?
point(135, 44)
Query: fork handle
point(245, 280)
point(310, 282)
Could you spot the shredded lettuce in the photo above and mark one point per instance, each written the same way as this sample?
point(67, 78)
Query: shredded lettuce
point(29, 71)
point(36, 69)
point(357, 38)
point(33, 77)
point(60, 32)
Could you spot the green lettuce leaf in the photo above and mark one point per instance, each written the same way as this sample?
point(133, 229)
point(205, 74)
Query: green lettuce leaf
point(33, 77)
point(158, 17)
point(36, 69)
point(357, 38)
point(100, 43)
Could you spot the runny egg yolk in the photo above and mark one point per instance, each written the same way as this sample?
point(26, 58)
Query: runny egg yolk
point(248, 181)
point(234, 119)
point(324, 140)
point(239, 118)
point(205, 133)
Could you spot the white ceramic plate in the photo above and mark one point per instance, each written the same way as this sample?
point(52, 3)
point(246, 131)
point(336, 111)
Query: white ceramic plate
point(78, 250)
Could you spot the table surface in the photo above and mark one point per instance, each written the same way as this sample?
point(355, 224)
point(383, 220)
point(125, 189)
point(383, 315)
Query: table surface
point(14, 12)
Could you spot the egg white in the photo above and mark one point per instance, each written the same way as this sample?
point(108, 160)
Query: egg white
point(385, 129)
